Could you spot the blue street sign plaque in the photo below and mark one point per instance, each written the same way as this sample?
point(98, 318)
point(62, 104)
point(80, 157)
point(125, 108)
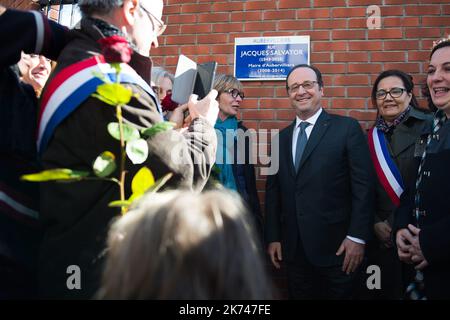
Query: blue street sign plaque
point(269, 58)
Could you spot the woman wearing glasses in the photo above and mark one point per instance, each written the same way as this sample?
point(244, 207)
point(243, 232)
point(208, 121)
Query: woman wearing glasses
point(394, 141)
point(235, 169)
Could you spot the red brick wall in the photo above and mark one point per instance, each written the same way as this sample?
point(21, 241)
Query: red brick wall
point(349, 54)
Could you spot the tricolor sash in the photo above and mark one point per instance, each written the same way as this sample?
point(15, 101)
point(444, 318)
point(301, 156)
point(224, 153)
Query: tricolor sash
point(72, 86)
point(387, 172)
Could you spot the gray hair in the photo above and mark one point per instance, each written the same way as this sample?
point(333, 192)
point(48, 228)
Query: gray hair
point(159, 73)
point(100, 7)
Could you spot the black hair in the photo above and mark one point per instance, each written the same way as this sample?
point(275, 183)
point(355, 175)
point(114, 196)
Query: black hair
point(101, 7)
point(444, 42)
point(407, 80)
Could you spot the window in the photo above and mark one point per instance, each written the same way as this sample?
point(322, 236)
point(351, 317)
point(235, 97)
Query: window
point(65, 12)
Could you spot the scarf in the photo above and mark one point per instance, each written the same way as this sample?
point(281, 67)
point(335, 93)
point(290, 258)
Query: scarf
point(224, 160)
point(382, 125)
point(109, 30)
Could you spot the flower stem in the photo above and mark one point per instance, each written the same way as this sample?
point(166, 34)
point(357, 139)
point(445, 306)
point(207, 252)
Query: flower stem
point(122, 143)
point(122, 156)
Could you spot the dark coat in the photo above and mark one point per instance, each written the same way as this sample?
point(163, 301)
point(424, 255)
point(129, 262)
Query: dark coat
point(20, 232)
point(434, 221)
point(22, 30)
point(403, 145)
point(330, 197)
point(76, 215)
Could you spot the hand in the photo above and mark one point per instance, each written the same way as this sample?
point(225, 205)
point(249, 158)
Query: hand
point(207, 108)
point(383, 232)
point(177, 115)
point(403, 240)
point(354, 253)
point(2, 9)
point(24, 63)
point(274, 251)
point(415, 250)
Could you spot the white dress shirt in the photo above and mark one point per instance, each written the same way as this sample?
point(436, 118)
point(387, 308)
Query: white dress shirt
point(312, 121)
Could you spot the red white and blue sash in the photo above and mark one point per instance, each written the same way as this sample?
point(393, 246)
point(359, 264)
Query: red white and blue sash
point(72, 86)
point(387, 171)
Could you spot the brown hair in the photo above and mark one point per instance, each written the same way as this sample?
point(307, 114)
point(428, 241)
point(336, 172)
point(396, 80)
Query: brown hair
point(184, 245)
point(438, 44)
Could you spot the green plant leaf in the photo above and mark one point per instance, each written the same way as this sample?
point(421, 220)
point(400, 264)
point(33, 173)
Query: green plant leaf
point(157, 128)
point(119, 203)
point(141, 184)
point(114, 93)
point(99, 97)
point(135, 196)
point(137, 151)
point(129, 133)
point(142, 180)
point(104, 164)
point(160, 183)
point(55, 175)
point(116, 66)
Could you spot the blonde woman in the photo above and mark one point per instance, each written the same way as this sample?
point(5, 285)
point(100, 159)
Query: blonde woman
point(235, 171)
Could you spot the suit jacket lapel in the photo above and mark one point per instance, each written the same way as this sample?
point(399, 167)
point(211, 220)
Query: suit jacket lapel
point(288, 148)
point(317, 133)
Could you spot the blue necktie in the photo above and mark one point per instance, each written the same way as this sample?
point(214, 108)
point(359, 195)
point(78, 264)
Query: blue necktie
point(301, 143)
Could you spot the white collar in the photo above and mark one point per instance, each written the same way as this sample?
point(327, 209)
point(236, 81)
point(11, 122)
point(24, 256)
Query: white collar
point(312, 120)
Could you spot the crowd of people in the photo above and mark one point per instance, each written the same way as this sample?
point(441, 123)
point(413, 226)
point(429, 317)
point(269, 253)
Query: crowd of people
point(341, 200)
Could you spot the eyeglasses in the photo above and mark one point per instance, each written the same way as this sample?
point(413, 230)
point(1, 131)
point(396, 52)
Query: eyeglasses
point(307, 85)
point(394, 92)
point(37, 56)
point(235, 92)
point(161, 27)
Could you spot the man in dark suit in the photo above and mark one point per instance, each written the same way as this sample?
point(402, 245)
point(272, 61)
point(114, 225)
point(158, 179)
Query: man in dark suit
point(319, 205)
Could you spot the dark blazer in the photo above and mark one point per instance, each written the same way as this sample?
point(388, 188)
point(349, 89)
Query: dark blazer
point(434, 223)
point(329, 198)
